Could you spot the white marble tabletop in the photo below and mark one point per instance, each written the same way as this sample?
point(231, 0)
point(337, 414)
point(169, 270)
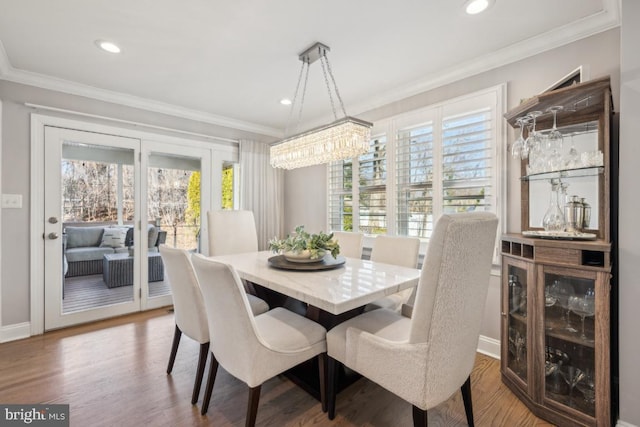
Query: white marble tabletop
point(356, 283)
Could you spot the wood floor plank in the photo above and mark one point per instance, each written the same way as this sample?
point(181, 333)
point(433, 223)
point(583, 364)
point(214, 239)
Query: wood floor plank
point(113, 373)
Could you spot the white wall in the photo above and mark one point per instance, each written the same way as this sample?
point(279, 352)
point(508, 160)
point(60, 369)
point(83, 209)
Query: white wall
point(599, 55)
point(629, 241)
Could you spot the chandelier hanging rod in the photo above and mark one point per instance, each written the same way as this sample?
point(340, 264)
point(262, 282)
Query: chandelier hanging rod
point(346, 137)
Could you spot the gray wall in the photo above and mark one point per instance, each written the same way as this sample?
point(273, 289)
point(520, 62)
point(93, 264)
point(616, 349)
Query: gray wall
point(629, 241)
point(14, 268)
point(306, 203)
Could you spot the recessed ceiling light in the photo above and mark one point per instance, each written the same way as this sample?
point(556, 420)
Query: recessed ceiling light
point(285, 101)
point(107, 46)
point(473, 7)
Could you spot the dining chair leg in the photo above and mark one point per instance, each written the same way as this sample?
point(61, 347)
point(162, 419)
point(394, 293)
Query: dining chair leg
point(213, 369)
point(322, 372)
point(252, 406)
point(419, 417)
point(466, 398)
point(202, 361)
point(332, 375)
point(174, 348)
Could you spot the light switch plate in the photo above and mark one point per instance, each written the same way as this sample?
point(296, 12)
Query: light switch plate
point(12, 201)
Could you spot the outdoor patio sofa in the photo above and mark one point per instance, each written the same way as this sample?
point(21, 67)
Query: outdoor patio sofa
point(84, 246)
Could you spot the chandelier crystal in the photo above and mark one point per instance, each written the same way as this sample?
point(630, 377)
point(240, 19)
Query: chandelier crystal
point(345, 138)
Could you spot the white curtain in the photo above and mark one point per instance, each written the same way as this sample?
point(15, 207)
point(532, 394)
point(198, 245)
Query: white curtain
point(261, 190)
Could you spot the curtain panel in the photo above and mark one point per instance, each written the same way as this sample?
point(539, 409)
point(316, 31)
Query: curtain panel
point(261, 191)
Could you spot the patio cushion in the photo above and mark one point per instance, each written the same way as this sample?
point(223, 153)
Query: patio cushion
point(87, 253)
point(113, 237)
point(153, 235)
point(78, 237)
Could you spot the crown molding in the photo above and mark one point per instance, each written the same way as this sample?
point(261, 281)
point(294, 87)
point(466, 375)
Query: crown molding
point(606, 19)
point(7, 72)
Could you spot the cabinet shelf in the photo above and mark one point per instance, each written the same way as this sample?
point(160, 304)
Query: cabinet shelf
point(557, 330)
point(565, 174)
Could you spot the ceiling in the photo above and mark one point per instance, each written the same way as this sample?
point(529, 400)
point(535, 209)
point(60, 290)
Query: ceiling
point(230, 62)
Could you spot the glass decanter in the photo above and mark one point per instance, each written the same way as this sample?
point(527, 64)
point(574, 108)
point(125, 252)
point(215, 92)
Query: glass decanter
point(553, 219)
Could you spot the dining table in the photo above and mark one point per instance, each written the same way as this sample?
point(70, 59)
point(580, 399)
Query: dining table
point(328, 291)
point(336, 286)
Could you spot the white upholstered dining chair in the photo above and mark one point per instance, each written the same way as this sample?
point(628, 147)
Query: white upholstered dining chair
point(350, 243)
point(189, 311)
point(231, 232)
point(253, 349)
point(396, 250)
point(426, 358)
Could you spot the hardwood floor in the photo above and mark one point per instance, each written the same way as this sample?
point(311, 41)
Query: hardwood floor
point(113, 373)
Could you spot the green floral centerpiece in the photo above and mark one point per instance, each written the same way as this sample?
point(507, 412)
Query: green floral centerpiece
point(304, 247)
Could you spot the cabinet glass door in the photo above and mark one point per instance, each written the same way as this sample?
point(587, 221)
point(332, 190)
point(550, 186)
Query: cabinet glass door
point(570, 308)
point(517, 321)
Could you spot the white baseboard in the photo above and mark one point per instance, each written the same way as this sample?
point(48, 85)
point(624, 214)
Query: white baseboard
point(621, 423)
point(15, 332)
point(489, 346)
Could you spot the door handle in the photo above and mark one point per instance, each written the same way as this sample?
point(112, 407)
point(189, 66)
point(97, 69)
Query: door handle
point(52, 235)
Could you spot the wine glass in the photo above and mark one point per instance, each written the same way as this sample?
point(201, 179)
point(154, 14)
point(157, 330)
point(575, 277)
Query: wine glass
point(587, 386)
point(562, 291)
point(572, 157)
point(517, 148)
point(533, 141)
point(517, 344)
point(549, 299)
point(554, 137)
point(584, 306)
point(521, 348)
point(571, 376)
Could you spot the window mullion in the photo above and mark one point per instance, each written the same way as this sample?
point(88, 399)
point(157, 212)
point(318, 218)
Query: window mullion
point(355, 191)
point(391, 193)
point(438, 193)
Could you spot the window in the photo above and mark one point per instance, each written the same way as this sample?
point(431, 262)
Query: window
point(372, 194)
point(414, 172)
point(467, 162)
point(439, 159)
point(340, 196)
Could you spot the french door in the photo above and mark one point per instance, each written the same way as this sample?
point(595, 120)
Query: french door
point(175, 186)
point(109, 202)
point(80, 171)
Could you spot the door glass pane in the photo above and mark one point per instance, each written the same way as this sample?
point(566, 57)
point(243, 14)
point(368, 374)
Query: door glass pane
point(569, 341)
point(97, 213)
point(173, 211)
point(517, 355)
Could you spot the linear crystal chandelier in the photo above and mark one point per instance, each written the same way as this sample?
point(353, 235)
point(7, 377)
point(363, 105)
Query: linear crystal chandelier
point(345, 138)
